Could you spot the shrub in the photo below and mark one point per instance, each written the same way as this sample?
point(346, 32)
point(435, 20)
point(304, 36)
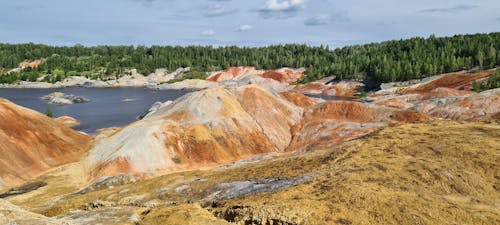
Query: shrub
point(176, 159)
point(49, 113)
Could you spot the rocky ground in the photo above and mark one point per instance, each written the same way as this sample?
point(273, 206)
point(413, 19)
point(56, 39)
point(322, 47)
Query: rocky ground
point(252, 149)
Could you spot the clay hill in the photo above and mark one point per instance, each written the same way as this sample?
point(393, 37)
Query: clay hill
point(253, 149)
point(31, 143)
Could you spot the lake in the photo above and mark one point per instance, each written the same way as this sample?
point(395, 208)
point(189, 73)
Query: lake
point(106, 108)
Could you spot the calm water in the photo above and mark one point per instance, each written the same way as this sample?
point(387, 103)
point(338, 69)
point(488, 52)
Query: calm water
point(105, 109)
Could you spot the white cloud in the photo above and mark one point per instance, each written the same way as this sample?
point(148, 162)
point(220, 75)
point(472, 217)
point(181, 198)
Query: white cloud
point(208, 33)
point(281, 9)
point(217, 10)
point(327, 19)
point(287, 5)
point(245, 27)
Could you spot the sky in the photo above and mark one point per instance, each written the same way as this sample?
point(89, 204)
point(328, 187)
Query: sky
point(240, 22)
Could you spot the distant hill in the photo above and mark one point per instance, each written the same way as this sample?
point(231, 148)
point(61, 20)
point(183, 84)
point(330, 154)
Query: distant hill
point(388, 61)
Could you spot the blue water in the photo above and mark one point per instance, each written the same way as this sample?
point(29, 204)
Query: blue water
point(105, 109)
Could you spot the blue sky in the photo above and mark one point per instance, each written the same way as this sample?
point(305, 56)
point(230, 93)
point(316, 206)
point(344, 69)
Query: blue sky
point(239, 22)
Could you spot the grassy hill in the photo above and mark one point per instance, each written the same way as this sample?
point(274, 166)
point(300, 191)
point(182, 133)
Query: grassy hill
point(398, 175)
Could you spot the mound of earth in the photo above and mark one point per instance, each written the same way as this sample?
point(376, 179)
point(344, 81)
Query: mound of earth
point(458, 81)
point(333, 122)
point(204, 128)
point(32, 143)
point(283, 75)
point(343, 89)
point(448, 96)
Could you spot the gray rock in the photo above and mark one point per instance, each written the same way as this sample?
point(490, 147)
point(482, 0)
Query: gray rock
point(97, 204)
point(247, 187)
point(58, 98)
point(106, 182)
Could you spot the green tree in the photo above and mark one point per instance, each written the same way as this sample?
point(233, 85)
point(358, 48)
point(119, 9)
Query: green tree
point(49, 112)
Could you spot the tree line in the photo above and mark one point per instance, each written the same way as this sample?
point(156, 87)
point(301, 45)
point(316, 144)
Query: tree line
point(396, 60)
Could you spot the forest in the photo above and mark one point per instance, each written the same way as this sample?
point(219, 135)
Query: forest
point(388, 61)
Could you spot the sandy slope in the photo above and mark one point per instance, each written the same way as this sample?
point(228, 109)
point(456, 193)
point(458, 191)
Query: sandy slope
point(31, 143)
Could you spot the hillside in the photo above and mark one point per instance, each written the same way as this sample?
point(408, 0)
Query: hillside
point(399, 175)
point(32, 143)
point(382, 62)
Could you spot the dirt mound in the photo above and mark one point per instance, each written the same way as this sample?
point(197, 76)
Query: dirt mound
point(298, 99)
point(31, 143)
point(481, 106)
point(346, 89)
point(229, 73)
point(205, 128)
point(330, 123)
point(458, 81)
point(283, 75)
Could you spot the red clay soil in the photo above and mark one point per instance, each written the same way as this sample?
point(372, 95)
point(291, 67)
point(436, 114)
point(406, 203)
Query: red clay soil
point(234, 71)
point(343, 111)
point(459, 81)
point(298, 99)
point(341, 89)
point(283, 76)
point(310, 86)
point(445, 92)
point(330, 123)
point(31, 143)
point(409, 116)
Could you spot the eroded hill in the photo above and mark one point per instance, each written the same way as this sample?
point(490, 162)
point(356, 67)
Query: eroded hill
point(32, 143)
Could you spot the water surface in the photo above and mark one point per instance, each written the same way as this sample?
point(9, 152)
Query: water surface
point(105, 109)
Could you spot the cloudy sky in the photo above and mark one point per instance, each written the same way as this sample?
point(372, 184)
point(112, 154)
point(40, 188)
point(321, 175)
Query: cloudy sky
point(239, 22)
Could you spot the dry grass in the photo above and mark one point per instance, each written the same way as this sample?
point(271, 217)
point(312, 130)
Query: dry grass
point(435, 173)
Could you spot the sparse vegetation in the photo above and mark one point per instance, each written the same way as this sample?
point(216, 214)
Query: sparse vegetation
point(492, 83)
point(176, 159)
point(49, 112)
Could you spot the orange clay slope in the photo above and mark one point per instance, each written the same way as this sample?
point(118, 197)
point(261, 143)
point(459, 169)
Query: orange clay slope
point(31, 143)
point(458, 81)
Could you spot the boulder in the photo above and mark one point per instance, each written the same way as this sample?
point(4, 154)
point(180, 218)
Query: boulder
point(59, 98)
point(68, 121)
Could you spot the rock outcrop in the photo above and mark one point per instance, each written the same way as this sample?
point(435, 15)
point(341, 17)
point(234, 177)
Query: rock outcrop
point(59, 98)
point(31, 143)
point(67, 121)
